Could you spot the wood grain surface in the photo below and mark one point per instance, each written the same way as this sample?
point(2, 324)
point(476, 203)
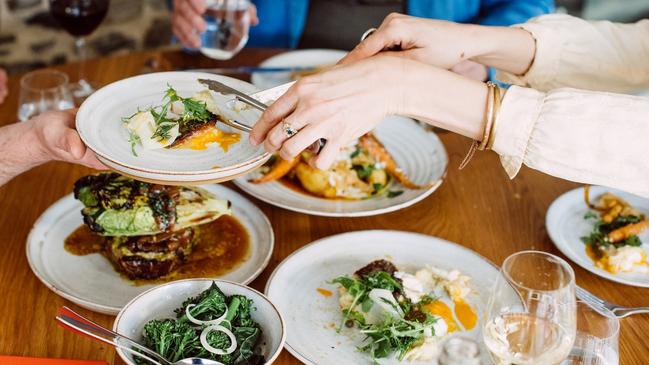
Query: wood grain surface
point(478, 207)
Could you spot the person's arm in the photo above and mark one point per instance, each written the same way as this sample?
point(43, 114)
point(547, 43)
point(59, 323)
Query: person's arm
point(584, 136)
point(50, 136)
point(548, 52)
point(593, 55)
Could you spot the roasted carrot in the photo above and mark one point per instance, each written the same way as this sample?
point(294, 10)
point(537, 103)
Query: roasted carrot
point(375, 148)
point(278, 171)
point(625, 232)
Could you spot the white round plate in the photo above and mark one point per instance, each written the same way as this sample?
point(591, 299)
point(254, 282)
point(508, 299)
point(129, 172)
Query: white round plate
point(300, 58)
point(565, 224)
point(100, 126)
point(91, 281)
point(182, 179)
point(418, 152)
point(161, 301)
point(312, 319)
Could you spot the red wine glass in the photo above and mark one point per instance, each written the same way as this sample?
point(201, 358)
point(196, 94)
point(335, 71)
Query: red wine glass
point(80, 18)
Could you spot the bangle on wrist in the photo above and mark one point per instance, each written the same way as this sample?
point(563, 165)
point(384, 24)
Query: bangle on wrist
point(491, 111)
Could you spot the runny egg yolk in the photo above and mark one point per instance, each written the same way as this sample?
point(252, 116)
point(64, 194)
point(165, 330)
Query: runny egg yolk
point(442, 310)
point(224, 140)
point(463, 312)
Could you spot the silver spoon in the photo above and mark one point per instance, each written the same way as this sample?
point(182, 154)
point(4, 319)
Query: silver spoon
point(77, 323)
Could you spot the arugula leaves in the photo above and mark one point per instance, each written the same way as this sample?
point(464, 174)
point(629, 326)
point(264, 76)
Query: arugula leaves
point(360, 288)
point(195, 111)
point(395, 334)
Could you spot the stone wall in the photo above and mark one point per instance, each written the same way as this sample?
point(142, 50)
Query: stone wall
point(31, 38)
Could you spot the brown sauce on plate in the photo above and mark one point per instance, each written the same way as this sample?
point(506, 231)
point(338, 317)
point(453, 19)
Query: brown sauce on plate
point(222, 246)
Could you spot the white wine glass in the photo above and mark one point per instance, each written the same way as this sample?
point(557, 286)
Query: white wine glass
point(531, 313)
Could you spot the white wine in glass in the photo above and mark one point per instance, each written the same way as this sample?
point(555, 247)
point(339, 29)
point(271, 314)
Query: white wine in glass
point(531, 314)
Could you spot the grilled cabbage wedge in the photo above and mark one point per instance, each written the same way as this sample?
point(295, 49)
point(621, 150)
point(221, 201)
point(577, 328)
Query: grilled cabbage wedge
point(116, 205)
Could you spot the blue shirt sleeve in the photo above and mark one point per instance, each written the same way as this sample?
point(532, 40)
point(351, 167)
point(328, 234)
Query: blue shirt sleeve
point(509, 12)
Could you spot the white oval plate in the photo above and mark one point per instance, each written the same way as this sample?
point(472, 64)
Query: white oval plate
point(309, 315)
point(100, 127)
point(418, 152)
point(300, 58)
point(91, 281)
point(161, 301)
point(565, 224)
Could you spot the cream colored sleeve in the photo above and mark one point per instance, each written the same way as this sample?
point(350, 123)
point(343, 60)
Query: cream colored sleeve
point(597, 55)
point(583, 136)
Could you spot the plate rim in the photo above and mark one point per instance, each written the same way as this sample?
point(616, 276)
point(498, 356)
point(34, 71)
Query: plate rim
point(323, 240)
point(254, 78)
point(367, 213)
point(564, 250)
point(282, 342)
point(107, 309)
point(85, 139)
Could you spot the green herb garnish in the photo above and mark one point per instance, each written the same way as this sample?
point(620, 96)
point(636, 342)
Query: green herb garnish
point(394, 193)
point(363, 171)
point(598, 237)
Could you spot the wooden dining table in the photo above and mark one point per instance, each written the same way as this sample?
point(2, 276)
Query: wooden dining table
point(478, 207)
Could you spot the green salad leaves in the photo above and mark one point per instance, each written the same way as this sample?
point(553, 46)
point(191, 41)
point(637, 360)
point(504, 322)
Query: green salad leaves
point(598, 237)
point(179, 338)
point(394, 333)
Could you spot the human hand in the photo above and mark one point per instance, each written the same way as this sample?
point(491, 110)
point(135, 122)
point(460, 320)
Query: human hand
point(437, 42)
point(447, 45)
point(339, 105)
point(52, 136)
point(187, 21)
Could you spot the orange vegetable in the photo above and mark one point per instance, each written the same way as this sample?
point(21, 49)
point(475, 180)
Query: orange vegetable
point(625, 232)
point(375, 148)
point(278, 171)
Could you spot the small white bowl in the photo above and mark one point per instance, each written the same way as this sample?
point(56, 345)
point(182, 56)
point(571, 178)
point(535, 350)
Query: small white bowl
point(160, 302)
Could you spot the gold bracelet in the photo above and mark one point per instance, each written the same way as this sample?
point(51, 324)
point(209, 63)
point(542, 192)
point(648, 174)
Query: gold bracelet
point(497, 104)
point(491, 101)
point(488, 120)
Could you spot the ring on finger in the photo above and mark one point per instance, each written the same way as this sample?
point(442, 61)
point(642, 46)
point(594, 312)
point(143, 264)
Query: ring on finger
point(368, 33)
point(288, 129)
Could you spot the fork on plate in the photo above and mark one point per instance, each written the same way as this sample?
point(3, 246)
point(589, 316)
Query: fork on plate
point(600, 304)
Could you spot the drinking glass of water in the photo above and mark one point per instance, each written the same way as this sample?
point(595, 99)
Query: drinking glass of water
point(597, 339)
point(531, 313)
point(43, 90)
point(228, 22)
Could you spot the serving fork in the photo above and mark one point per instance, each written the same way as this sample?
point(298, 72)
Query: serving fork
point(77, 323)
point(600, 304)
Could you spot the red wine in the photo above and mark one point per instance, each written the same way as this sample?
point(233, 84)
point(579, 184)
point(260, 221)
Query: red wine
point(79, 17)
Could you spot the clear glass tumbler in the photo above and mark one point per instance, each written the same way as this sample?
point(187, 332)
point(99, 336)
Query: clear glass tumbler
point(530, 315)
point(43, 90)
point(597, 341)
point(228, 22)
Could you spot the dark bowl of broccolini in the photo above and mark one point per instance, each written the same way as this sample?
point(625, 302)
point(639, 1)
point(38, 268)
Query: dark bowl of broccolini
point(211, 319)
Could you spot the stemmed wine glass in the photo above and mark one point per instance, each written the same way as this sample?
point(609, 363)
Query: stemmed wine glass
point(531, 314)
point(80, 18)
